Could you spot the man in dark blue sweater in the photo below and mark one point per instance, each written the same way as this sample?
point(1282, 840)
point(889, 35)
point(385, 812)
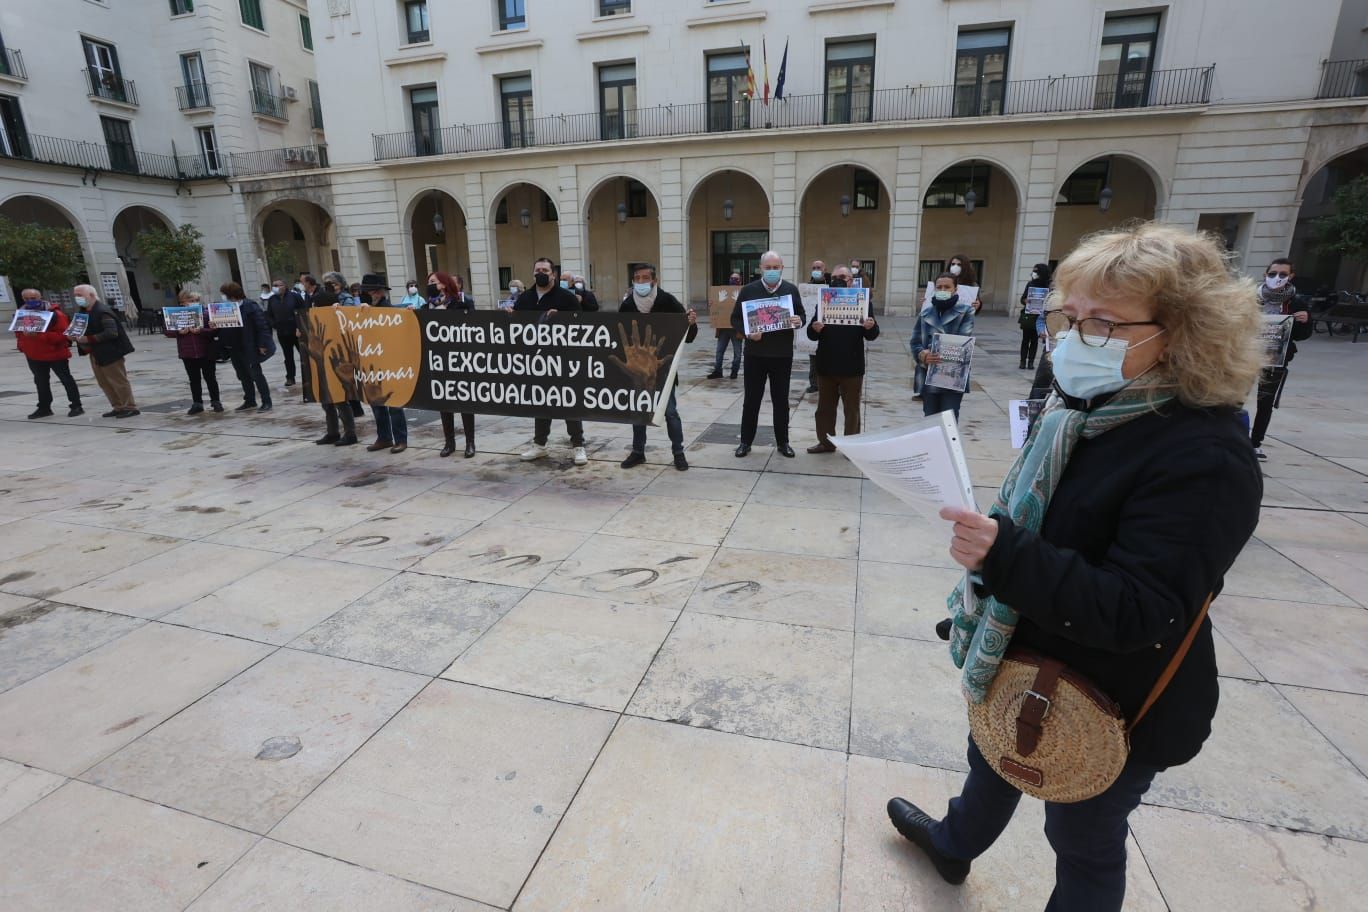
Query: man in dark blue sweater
point(769, 356)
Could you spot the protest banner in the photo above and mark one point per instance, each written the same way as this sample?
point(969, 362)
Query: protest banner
point(1276, 335)
point(225, 315)
point(30, 321)
point(721, 303)
point(191, 316)
point(766, 315)
point(951, 372)
point(604, 366)
point(1035, 299)
point(79, 322)
point(843, 306)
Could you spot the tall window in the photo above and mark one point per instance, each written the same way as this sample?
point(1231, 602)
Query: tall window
point(182, 7)
point(515, 96)
point(728, 107)
point(102, 63)
point(1084, 186)
point(416, 20)
point(251, 14)
point(549, 213)
point(636, 199)
point(305, 32)
point(512, 14)
point(617, 101)
point(315, 107)
point(981, 71)
point(423, 104)
point(264, 100)
point(209, 154)
point(1126, 60)
point(866, 188)
point(849, 82)
point(737, 251)
point(949, 189)
point(13, 137)
point(194, 92)
point(119, 141)
point(614, 7)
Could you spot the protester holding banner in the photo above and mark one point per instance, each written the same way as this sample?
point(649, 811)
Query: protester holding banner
point(647, 297)
point(1028, 319)
point(575, 285)
point(1277, 295)
point(391, 425)
point(107, 343)
point(548, 298)
point(338, 285)
point(726, 336)
point(195, 348)
point(248, 345)
point(340, 413)
point(49, 352)
point(412, 298)
point(840, 361)
point(769, 356)
point(444, 293)
point(945, 314)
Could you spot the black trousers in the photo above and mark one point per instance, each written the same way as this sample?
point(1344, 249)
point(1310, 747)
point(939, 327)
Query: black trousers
point(289, 344)
point(62, 369)
point(541, 431)
point(776, 372)
point(1270, 386)
point(449, 427)
point(1030, 342)
point(200, 372)
point(333, 413)
point(248, 370)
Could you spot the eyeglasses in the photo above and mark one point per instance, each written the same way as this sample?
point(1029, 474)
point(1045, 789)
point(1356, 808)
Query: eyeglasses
point(1273, 274)
point(1094, 328)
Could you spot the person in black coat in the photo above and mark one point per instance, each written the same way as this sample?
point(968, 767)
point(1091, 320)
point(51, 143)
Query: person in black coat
point(1157, 494)
point(1277, 295)
point(769, 356)
point(840, 366)
point(548, 298)
point(444, 293)
point(340, 413)
point(647, 297)
point(106, 342)
point(282, 315)
point(1030, 331)
point(247, 345)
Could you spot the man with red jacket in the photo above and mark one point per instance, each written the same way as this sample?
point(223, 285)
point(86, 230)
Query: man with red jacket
point(49, 353)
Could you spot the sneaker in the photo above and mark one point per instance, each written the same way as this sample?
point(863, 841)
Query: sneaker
point(715, 375)
point(349, 440)
point(216, 406)
point(128, 413)
point(1258, 451)
point(74, 411)
point(681, 463)
point(41, 413)
point(633, 459)
point(245, 406)
point(914, 824)
point(264, 408)
point(581, 457)
point(112, 413)
point(536, 451)
point(195, 409)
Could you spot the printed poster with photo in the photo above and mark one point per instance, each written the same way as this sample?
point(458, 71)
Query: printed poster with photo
point(79, 322)
point(721, 303)
point(1035, 300)
point(225, 315)
point(951, 372)
point(191, 316)
point(767, 315)
point(843, 306)
point(30, 321)
point(1021, 416)
point(1276, 336)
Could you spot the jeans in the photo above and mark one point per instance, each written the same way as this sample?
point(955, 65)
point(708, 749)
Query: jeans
point(776, 372)
point(936, 400)
point(200, 373)
point(62, 369)
point(332, 413)
point(289, 344)
point(722, 343)
point(673, 426)
point(1088, 837)
point(390, 424)
point(248, 369)
point(829, 390)
point(541, 431)
point(1270, 385)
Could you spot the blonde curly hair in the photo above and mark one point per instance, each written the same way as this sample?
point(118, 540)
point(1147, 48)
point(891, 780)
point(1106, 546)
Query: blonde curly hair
point(1211, 316)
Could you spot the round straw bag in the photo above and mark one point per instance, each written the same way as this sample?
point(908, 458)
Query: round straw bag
point(1054, 734)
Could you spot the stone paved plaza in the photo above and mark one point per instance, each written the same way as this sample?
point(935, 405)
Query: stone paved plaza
point(240, 671)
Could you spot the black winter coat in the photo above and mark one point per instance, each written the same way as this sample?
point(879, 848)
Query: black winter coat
point(111, 341)
point(664, 303)
point(253, 335)
point(556, 298)
point(841, 349)
point(1145, 523)
point(283, 310)
point(777, 344)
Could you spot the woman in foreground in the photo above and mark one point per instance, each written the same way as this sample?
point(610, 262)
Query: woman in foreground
point(1132, 498)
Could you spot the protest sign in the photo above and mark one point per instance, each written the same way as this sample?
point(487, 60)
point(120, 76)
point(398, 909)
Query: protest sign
point(225, 315)
point(603, 366)
point(1276, 335)
point(30, 321)
point(191, 316)
point(809, 294)
point(766, 315)
point(1021, 415)
point(721, 303)
point(964, 294)
point(843, 306)
point(79, 322)
point(951, 372)
point(1035, 299)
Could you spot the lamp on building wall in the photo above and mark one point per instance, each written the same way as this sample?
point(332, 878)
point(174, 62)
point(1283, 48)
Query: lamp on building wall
point(525, 217)
point(622, 212)
point(970, 198)
point(728, 209)
point(845, 206)
point(438, 223)
point(1104, 199)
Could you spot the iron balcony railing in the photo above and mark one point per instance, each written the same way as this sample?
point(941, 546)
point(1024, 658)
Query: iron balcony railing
point(268, 104)
point(269, 161)
point(12, 64)
point(1054, 94)
point(193, 95)
point(110, 86)
point(119, 158)
point(1343, 79)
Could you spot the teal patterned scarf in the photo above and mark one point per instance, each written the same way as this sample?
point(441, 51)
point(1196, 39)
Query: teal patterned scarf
point(983, 627)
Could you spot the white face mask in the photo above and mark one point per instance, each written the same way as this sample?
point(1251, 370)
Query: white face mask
point(413, 289)
point(816, 273)
point(1035, 276)
point(579, 286)
point(265, 295)
point(954, 269)
point(1275, 283)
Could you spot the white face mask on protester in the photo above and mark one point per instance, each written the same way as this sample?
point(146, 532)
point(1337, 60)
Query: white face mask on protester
point(1086, 370)
point(954, 269)
point(1275, 282)
point(413, 289)
point(1035, 276)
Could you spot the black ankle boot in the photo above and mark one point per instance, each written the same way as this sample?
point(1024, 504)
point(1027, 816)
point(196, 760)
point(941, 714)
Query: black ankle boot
point(449, 448)
point(913, 823)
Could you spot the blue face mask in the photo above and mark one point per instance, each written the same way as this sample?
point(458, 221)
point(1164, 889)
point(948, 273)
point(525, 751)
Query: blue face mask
point(771, 276)
point(564, 284)
point(642, 289)
point(1086, 371)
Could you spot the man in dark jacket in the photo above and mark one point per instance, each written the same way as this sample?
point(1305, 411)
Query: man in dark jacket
point(769, 356)
point(282, 314)
point(840, 361)
point(247, 345)
point(49, 353)
point(548, 298)
point(647, 297)
point(106, 342)
point(1277, 295)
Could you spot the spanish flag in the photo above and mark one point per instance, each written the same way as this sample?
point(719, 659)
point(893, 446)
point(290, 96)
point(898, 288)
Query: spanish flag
point(764, 56)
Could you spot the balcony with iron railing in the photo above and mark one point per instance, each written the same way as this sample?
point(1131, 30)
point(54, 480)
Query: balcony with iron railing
point(1050, 95)
point(1343, 79)
point(110, 86)
point(270, 161)
point(12, 65)
point(268, 104)
point(117, 158)
point(193, 95)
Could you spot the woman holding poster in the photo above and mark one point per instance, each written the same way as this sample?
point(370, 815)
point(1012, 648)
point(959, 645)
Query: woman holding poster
point(195, 347)
point(1033, 313)
point(444, 293)
point(1132, 498)
point(944, 315)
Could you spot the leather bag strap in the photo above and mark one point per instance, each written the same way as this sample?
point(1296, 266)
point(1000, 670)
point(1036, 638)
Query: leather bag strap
point(1035, 705)
point(1172, 668)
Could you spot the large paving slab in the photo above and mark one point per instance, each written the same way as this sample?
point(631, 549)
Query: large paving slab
point(37, 636)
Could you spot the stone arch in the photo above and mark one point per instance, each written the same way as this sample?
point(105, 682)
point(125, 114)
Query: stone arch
point(450, 249)
point(1161, 189)
point(512, 247)
point(15, 206)
point(614, 240)
point(1317, 270)
point(825, 234)
point(316, 252)
point(991, 235)
point(748, 231)
point(144, 289)
point(1071, 222)
point(704, 178)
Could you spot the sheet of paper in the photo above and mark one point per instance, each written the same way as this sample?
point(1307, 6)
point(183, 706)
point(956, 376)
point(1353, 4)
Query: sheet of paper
point(1022, 413)
point(967, 294)
point(810, 296)
point(190, 316)
point(922, 465)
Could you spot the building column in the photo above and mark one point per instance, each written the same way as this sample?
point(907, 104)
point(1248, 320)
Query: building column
point(571, 220)
point(1035, 218)
point(484, 280)
point(783, 232)
point(904, 228)
point(671, 226)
